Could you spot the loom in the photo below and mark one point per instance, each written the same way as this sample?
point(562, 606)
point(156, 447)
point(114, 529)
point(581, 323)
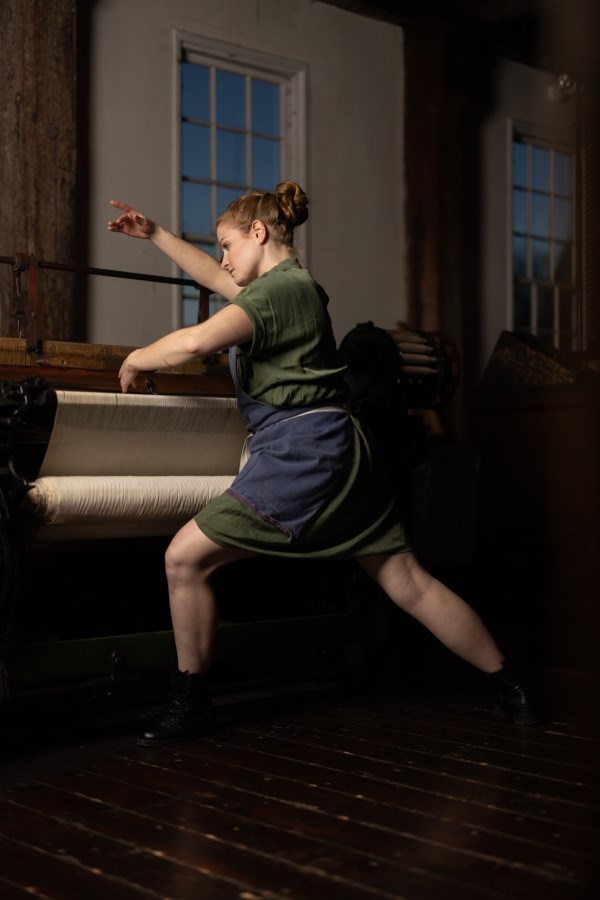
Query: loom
point(93, 484)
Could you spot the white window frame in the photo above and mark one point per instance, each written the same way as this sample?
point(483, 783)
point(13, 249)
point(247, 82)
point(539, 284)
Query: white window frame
point(245, 61)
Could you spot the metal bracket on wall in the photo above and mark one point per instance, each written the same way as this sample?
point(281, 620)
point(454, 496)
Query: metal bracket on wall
point(25, 302)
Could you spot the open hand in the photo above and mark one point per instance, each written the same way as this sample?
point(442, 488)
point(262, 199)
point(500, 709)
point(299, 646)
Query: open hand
point(131, 222)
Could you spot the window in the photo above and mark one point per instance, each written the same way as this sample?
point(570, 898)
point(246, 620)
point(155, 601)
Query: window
point(240, 130)
point(544, 298)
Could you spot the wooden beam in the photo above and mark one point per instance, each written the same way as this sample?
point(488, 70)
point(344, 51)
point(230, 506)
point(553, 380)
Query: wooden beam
point(38, 148)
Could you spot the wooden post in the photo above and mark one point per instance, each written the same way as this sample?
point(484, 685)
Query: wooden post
point(435, 186)
point(38, 152)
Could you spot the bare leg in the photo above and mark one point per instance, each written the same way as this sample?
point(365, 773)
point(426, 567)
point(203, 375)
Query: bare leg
point(440, 610)
point(191, 559)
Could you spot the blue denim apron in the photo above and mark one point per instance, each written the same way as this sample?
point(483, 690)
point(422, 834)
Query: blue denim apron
point(297, 459)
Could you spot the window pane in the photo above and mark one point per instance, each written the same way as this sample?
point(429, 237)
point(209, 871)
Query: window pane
point(520, 211)
point(562, 219)
point(521, 308)
point(195, 91)
point(563, 269)
point(196, 208)
point(231, 156)
point(540, 215)
point(265, 107)
point(191, 295)
point(541, 260)
point(520, 257)
point(231, 100)
point(215, 303)
point(562, 174)
point(545, 310)
point(190, 310)
point(224, 197)
point(195, 150)
point(265, 163)
point(540, 168)
point(519, 164)
point(209, 247)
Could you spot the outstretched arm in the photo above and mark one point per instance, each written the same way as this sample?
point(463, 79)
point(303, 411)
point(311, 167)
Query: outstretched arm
point(201, 266)
point(227, 327)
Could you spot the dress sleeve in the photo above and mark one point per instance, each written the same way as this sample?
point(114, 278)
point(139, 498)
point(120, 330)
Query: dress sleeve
point(270, 324)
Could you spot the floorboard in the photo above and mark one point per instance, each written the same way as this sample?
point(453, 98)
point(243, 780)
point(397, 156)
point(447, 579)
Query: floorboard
point(321, 794)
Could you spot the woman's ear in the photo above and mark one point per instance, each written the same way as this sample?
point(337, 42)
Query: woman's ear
point(260, 231)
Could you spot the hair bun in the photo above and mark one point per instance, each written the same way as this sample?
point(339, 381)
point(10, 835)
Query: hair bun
point(292, 202)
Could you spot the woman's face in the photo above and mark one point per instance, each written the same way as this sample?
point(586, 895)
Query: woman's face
point(242, 253)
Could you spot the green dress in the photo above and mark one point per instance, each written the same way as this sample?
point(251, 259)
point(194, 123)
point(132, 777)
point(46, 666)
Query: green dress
point(290, 368)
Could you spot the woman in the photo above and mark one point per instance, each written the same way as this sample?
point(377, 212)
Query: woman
point(313, 485)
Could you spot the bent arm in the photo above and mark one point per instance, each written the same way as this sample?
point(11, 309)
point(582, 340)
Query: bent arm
point(227, 327)
point(201, 266)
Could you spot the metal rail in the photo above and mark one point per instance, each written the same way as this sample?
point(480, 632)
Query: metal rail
point(16, 262)
point(25, 301)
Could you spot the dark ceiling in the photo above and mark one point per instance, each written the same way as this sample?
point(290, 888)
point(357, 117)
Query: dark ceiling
point(556, 35)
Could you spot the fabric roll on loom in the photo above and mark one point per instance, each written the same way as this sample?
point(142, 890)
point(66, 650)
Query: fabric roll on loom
point(122, 498)
point(119, 464)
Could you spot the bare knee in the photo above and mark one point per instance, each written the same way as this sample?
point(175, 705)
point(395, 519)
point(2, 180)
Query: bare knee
point(186, 554)
point(179, 564)
point(191, 554)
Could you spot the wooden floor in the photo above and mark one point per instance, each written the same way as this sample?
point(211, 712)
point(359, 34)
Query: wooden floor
point(317, 795)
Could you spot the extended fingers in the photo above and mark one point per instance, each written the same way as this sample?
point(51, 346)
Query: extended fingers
point(120, 224)
point(129, 222)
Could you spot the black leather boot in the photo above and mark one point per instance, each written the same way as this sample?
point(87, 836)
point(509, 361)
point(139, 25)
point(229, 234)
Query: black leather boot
point(515, 700)
point(189, 713)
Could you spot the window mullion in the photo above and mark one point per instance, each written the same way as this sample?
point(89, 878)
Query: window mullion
point(248, 121)
point(213, 144)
